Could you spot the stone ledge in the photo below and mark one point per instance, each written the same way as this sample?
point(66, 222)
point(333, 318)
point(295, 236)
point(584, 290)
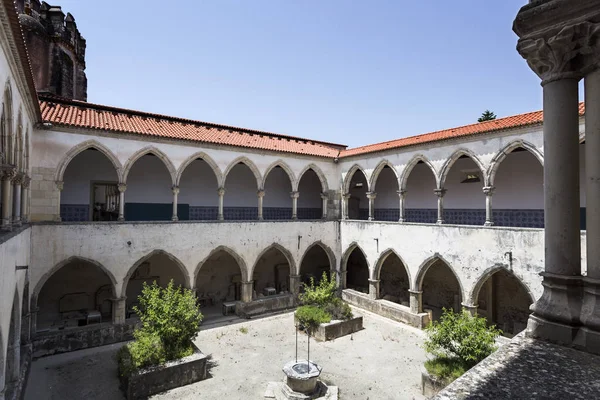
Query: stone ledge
point(265, 305)
point(529, 369)
point(430, 385)
point(337, 329)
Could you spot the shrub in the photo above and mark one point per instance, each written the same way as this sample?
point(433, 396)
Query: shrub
point(461, 336)
point(320, 294)
point(338, 309)
point(311, 317)
point(448, 369)
point(170, 318)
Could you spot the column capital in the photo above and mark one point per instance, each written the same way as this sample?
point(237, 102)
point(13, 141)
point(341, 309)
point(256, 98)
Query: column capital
point(294, 195)
point(415, 291)
point(260, 193)
point(565, 53)
point(374, 280)
point(60, 185)
point(221, 191)
point(175, 189)
point(402, 192)
point(440, 192)
point(371, 195)
point(295, 276)
point(122, 187)
point(8, 172)
point(18, 179)
point(247, 282)
point(26, 181)
point(324, 196)
point(489, 190)
point(346, 195)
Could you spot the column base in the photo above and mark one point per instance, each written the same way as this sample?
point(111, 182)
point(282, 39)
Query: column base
point(588, 340)
point(294, 218)
point(174, 219)
point(555, 332)
point(590, 308)
point(439, 221)
point(561, 300)
point(488, 223)
point(57, 218)
point(401, 220)
point(121, 219)
point(220, 218)
point(6, 226)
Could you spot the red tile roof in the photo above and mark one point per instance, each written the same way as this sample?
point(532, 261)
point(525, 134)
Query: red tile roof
point(72, 113)
point(515, 121)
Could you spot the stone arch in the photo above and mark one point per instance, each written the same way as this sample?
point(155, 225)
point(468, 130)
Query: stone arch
point(357, 277)
point(18, 157)
point(13, 346)
point(76, 150)
point(318, 172)
point(206, 158)
point(53, 270)
point(240, 261)
point(453, 158)
point(7, 123)
point(501, 155)
point(326, 249)
point(382, 164)
point(474, 293)
point(384, 255)
point(349, 251)
point(286, 253)
point(409, 167)
point(145, 151)
point(286, 168)
point(182, 268)
point(350, 174)
point(422, 271)
point(246, 161)
point(26, 151)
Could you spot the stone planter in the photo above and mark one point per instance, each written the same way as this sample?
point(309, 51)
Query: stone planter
point(335, 329)
point(149, 381)
point(431, 385)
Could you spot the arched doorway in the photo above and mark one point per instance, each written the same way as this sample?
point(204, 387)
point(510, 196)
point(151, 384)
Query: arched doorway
point(393, 280)
point(314, 263)
point(464, 201)
point(358, 203)
point(198, 192)
point(420, 202)
point(158, 267)
point(271, 273)
point(441, 289)
point(277, 203)
point(13, 351)
point(310, 204)
point(90, 190)
point(505, 302)
point(387, 201)
point(240, 201)
point(357, 271)
point(77, 293)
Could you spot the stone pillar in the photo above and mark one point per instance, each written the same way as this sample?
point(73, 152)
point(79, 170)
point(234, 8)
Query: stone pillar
point(260, 194)
point(471, 308)
point(247, 289)
point(342, 281)
point(7, 174)
point(295, 196)
point(33, 321)
point(489, 192)
point(416, 301)
point(402, 197)
point(25, 199)
point(119, 310)
point(590, 311)
point(17, 199)
point(59, 186)
point(221, 192)
point(295, 284)
point(374, 289)
point(122, 188)
point(324, 198)
point(440, 195)
point(345, 198)
point(175, 190)
point(371, 196)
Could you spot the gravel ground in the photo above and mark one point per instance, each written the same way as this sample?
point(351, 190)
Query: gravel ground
point(382, 361)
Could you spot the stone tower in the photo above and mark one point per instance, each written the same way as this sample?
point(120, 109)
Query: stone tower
point(56, 49)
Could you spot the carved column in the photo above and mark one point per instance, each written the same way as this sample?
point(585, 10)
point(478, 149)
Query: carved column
point(324, 198)
point(119, 310)
point(489, 192)
point(440, 195)
point(295, 196)
point(247, 289)
point(556, 53)
point(122, 188)
point(374, 288)
point(345, 198)
point(402, 197)
point(295, 284)
point(59, 186)
point(17, 182)
point(471, 308)
point(221, 192)
point(25, 199)
point(7, 175)
point(416, 301)
point(260, 194)
point(175, 190)
point(371, 196)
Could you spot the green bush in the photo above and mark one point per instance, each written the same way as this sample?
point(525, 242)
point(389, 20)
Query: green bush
point(447, 369)
point(338, 309)
point(170, 318)
point(461, 336)
point(320, 294)
point(311, 317)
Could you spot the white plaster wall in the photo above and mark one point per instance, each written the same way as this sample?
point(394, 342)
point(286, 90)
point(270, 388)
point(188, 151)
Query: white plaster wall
point(420, 188)
point(463, 195)
point(240, 188)
point(277, 189)
point(86, 167)
point(387, 190)
point(519, 183)
point(149, 182)
point(198, 185)
point(310, 191)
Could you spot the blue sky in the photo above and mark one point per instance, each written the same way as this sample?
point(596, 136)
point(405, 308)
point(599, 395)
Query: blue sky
point(348, 72)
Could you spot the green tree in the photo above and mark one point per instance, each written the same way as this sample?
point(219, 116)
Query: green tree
point(487, 115)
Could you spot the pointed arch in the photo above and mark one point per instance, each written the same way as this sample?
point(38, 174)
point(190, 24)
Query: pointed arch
point(453, 158)
point(145, 151)
point(318, 172)
point(286, 253)
point(204, 157)
point(18, 157)
point(474, 293)
point(53, 270)
point(14, 340)
point(26, 151)
point(382, 164)
point(182, 268)
point(382, 258)
point(239, 260)
point(409, 167)
point(286, 168)
point(424, 267)
point(350, 174)
point(7, 122)
point(326, 249)
point(76, 150)
point(346, 256)
point(246, 161)
point(502, 154)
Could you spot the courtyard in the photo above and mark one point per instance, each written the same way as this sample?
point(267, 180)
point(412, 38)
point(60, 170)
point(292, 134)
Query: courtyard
point(383, 361)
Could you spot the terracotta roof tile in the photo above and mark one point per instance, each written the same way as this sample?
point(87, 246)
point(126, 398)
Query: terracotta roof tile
point(515, 121)
point(72, 113)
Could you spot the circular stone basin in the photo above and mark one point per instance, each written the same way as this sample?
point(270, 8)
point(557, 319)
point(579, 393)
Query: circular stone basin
point(302, 376)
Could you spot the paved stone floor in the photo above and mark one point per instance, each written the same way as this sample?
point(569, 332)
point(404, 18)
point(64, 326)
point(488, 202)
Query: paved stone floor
point(381, 362)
